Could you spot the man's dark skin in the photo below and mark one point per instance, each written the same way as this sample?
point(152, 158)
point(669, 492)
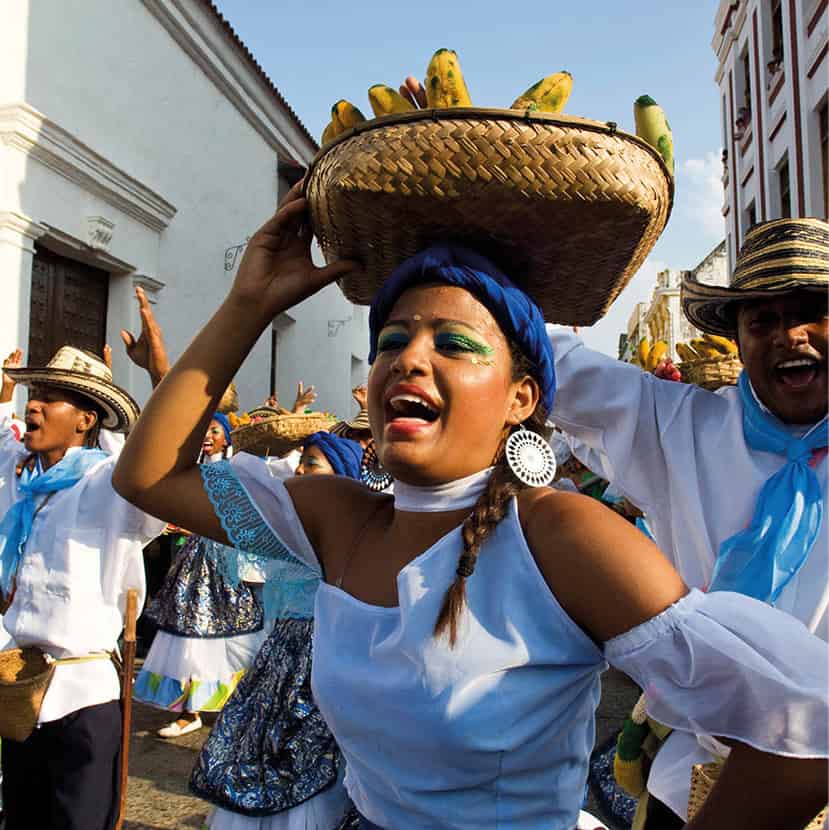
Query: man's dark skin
point(783, 344)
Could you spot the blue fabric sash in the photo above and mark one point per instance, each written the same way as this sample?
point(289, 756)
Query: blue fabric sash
point(762, 559)
point(16, 525)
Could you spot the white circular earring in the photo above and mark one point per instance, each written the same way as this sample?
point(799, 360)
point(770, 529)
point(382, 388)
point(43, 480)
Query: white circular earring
point(530, 458)
point(372, 473)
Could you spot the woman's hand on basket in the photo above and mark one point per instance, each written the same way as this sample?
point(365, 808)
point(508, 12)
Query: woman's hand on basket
point(412, 90)
point(276, 271)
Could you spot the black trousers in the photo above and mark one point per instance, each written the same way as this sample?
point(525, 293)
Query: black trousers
point(66, 774)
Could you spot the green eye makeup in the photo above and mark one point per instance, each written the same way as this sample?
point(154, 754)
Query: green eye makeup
point(455, 341)
point(392, 339)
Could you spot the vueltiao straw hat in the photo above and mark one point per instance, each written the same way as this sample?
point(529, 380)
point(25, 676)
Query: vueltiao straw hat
point(84, 373)
point(777, 257)
point(359, 422)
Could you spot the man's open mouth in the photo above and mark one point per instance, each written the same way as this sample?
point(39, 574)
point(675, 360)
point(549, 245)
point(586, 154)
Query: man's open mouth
point(797, 373)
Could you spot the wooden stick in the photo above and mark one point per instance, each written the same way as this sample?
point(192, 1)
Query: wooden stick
point(126, 697)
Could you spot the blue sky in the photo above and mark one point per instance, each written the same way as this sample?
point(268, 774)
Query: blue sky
point(319, 52)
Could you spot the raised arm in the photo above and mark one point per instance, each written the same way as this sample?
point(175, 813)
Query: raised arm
point(622, 415)
point(157, 470)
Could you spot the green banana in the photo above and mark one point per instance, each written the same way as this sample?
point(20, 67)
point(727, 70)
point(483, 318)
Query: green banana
point(550, 94)
point(653, 127)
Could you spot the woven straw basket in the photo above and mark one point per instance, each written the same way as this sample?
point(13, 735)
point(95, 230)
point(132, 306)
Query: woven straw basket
point(276, 435)
point(712, 372)
point(703, 778)
point(568, 207)
point(25, 675)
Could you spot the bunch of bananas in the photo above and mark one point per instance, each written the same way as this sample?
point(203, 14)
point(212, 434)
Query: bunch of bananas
point(445, 87)
point(649, 356)
point(705, 347)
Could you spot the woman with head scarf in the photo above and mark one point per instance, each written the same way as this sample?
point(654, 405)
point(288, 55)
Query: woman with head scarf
point(209, 624)
point(270, 762)
point(463, 623)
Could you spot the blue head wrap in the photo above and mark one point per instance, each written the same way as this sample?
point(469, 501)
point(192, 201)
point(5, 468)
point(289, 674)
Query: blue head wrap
point(222, 419)
point(518, 316)
point(343, 454)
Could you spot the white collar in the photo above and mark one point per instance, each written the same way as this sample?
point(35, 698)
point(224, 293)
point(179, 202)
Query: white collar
point(441, 498)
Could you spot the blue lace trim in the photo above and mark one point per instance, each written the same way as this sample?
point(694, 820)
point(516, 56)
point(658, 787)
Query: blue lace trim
point(290, 585)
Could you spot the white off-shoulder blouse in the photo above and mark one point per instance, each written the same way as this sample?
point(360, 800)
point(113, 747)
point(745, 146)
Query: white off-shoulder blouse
point(496, 732)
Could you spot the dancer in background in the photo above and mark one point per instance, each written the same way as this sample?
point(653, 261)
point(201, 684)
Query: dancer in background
point(70, 549)
point(209, 627)
point(270, 762)
point(733, 483)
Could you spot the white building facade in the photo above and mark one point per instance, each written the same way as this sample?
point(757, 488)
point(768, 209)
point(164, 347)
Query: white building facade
point(141, 144)
point(773, 76)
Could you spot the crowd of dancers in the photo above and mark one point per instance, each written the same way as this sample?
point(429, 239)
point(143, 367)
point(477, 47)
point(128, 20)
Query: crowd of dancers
point(403, 624)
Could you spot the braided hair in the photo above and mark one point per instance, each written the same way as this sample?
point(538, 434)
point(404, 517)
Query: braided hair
point(487, 512)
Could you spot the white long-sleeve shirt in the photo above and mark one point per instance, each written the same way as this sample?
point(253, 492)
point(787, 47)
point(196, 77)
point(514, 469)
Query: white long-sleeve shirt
point(678, 453)
point(83, 554)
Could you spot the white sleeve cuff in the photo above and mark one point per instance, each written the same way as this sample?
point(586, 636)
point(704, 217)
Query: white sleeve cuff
point(727, 665)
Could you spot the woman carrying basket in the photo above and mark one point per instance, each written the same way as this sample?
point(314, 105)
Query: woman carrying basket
point(210, 625)
point(464, 622)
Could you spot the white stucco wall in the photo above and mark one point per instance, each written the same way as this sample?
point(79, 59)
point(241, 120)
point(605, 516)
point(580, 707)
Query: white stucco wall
point(155, 91)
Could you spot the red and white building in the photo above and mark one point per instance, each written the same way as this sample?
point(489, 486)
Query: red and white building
point(773, 75)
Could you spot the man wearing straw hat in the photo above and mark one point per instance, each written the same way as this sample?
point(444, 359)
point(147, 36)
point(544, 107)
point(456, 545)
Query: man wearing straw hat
point(70, 548)
point(734, 483)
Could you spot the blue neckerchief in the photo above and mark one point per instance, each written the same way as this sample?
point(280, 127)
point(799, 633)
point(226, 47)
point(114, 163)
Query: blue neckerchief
point(16, 525)
point(762, 559)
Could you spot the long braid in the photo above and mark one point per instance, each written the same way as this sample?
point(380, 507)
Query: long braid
point(490, 508)
point(488, 511)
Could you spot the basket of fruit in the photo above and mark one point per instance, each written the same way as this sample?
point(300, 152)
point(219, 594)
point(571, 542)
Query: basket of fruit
point(266, 431)
point(570, 207)
point(710, 361)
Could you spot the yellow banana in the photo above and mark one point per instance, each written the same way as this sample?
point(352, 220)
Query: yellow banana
point(653, 127)
point(657, 352)
point(550, 94)
point(445, 86)
point(384, 100)
point(685, 352)
point(328, 133)
point(344, 116)
point(722, 344)
point(704, 349)
point(643, 352)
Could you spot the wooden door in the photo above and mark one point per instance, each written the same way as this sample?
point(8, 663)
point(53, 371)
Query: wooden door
point(68, 307)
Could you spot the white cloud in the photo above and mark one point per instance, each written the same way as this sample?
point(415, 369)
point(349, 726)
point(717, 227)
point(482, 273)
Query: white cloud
point(700, 194)
point(604, 335)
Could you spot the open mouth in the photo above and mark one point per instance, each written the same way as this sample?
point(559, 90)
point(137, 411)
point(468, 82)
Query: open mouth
point(797, 373)
point(411, 408)
point(31, 427)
